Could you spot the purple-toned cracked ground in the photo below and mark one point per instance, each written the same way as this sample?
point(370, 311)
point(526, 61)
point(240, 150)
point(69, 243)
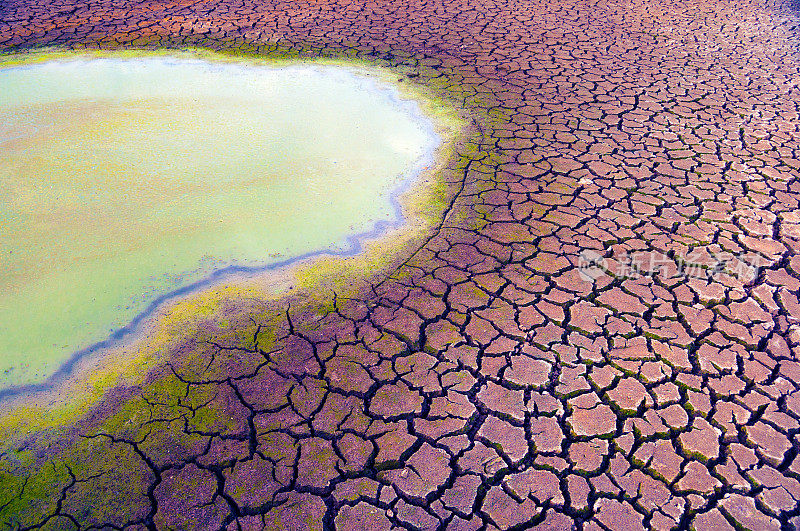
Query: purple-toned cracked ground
point(602, 333)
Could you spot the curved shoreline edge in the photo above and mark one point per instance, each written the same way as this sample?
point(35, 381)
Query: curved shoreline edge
point(351, 246)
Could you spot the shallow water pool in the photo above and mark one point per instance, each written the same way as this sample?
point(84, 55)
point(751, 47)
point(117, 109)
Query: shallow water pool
point(124, 179)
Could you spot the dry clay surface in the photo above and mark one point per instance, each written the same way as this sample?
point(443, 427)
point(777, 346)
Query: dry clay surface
point(603, 333)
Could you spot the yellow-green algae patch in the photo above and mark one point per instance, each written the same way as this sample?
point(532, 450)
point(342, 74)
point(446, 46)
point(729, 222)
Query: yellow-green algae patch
point(241, 301)
point(126, 178)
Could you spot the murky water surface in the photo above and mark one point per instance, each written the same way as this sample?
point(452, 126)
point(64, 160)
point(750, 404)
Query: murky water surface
point(122, 180)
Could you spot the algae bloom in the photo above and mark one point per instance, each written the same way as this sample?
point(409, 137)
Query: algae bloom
point(124, 179)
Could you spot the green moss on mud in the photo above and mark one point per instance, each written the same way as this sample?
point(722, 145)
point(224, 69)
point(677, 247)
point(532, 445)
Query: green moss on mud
point(27, 493)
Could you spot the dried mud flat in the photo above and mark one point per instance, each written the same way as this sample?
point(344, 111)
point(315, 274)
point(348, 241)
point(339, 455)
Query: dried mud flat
point(602, 333)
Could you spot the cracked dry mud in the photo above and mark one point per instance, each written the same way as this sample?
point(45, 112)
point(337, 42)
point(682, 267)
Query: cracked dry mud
point(487, 383)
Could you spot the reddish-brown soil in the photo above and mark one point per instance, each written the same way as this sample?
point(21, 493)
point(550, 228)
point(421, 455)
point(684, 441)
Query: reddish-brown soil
point(554, 357)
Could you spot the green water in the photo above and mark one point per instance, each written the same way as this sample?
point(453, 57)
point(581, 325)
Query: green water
point(122, 180)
